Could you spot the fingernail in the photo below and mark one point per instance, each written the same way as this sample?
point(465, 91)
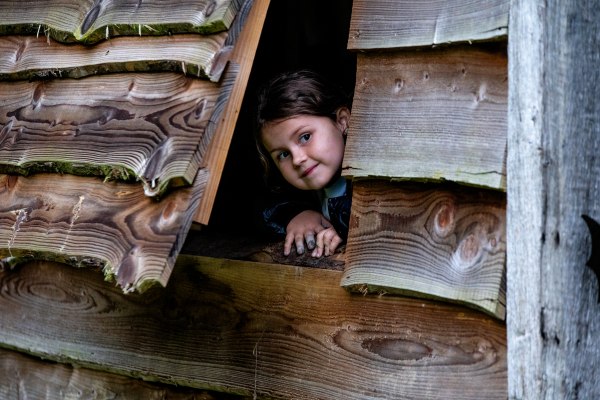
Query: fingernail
point(300, 249)
point(310, 244)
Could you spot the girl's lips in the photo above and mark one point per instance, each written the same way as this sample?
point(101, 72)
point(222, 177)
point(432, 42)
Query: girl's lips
point(308, 171)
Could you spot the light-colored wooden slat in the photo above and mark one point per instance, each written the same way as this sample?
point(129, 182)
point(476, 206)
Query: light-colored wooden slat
point(85, 222)
point(382, 24)
point(261, 330)
point(428, 241)
point(25, 377)
point(122, 126)
point(430, 115)
point(94, 20)
point(242, 57)
point(27, 57)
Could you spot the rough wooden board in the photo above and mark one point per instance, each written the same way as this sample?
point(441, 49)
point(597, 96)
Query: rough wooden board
point(137, 126)
point(28, 57)
point(380, 24)
point(242, 57)
point(430, 115)
point(553, 179)
point(85, 222)
point(94, 20)
point(25, 377)
point(250, 328)
point(428, 240)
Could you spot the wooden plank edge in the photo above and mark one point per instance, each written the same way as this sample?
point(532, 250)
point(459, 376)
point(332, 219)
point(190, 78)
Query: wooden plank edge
point(243, 55)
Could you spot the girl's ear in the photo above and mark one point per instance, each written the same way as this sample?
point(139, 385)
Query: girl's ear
point(343, 118)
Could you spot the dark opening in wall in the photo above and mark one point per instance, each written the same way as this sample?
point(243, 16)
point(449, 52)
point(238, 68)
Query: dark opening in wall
point(296, 34)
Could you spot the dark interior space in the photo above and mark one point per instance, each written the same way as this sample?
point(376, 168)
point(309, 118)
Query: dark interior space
point(297, 34)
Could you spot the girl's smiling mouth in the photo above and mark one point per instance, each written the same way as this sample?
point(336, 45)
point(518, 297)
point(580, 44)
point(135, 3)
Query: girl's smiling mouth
point(308, 171)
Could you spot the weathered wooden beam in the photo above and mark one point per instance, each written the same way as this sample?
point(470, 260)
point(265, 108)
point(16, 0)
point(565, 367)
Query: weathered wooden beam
point(430, 241)
point(28, 57)
point(430, 115)
point(85, 222)
point(25, 377)
point(147, 127)
point(261, 330)
point(242, 57)
point(93, 20)
point(382, 24)
point(553, 179)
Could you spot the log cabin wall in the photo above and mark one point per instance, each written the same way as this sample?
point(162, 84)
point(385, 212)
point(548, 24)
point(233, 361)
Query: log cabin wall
point(225, 329)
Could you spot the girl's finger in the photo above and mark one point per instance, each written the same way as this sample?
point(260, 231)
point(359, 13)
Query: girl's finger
point(299, 244)
point(310, 240)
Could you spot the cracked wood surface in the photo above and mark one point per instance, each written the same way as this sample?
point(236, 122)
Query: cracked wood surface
point(149, 127)
point(263, 330)
point(431, 115)
point(379, 24)
point(93, 20)
point(85, 222)
point(440, 241)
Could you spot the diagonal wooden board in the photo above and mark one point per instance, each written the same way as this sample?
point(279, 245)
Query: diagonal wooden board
point(263, 330)
point(83, 221)
point(436, 241)
point(436, 114)
point(138, 126)
point(94, 20)
point(383, 24)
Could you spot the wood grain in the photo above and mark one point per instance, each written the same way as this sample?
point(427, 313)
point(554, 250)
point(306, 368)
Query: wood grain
point(28, 57)
point(85, 222)
point(242, 58)
point(93, 20)
point(261, 330)
point(428, 240)
point(25, 377)
point(553, 179)
point(430, 115)
point(122, 126)
point(380, 24)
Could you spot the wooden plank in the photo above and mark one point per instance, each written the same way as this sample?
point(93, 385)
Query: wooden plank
point(84, 222)
point(382, 24)
point(93, 20)
point(242, 57)
point(430, 115)
point(25, 377)
point(429, 241)
point(553, 179)
point(260, 330)
point(122, 126)
point(28, 57)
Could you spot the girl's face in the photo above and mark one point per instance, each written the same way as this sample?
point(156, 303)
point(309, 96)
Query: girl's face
point(308, 150)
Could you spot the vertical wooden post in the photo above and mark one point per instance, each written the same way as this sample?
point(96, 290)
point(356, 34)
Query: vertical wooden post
point(553, 167)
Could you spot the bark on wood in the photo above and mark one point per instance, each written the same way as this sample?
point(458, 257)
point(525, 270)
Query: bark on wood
point(429, 241)
point(378, 24)
point(25, 377)
point(122, 126)
point(256, 329)
point(553, 170)
point(84, 222)
point(242, 58)
point(430, 115)
point(28, 57)
point(93, 20)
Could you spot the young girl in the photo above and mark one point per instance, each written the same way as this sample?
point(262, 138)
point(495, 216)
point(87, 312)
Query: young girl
point(302, 123)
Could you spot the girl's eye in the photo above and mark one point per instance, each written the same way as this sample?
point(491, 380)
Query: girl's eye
point(283, 155)
point(305, 137)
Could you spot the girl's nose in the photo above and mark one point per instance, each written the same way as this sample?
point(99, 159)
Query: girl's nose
point(298, 157)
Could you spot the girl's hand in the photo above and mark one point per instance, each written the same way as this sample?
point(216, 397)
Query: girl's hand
point(301, 232)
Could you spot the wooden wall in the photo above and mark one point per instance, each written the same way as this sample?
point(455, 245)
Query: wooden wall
point(429, 123)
